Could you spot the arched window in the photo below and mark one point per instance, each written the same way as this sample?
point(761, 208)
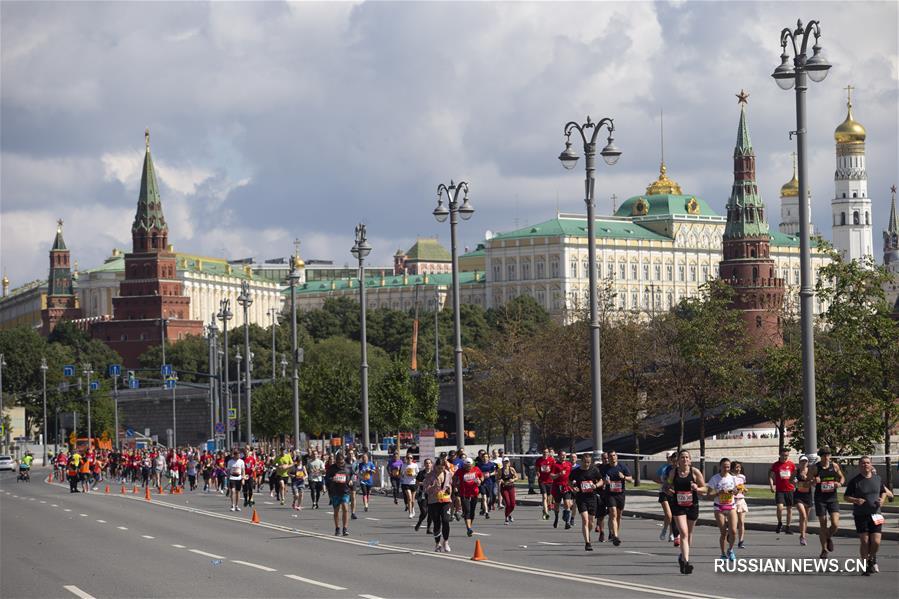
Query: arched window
point(855, 218)
point(843, 216)
point(755, 273)
point(752, 252)
point(867, 218)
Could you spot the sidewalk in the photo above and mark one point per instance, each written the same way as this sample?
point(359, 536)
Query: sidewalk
point(760, 517)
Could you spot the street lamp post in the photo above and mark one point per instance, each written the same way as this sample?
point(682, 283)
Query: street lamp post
point(44, 380)
point(361, 249)
point(274, 314)
point(3, 439)
point(86, 368)
point(569, 158)
point(115, 407)
point(295, 352)
point(786, 76)
point(225, 315)
point(171, 384)
point(213, 402)
point(245, 299)
point(237, 360)
point(454, 210)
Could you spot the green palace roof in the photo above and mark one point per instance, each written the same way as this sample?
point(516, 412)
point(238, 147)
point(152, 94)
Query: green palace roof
point(392, 281)
point(184, 262)
point(563, 226)
point(665, 205)
point(427, 249)
point(481, 250)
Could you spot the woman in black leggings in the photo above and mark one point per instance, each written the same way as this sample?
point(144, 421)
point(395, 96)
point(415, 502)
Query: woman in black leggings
point(421, 497)
point(439, 489)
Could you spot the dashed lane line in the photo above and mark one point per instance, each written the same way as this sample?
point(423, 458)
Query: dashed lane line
point(78, 592)
point(325, 585)
point(370, 597)
point(206, 554)
point(252, 565)
point(101, 521)
point(83, 515)
point(548, 543)
point(375, 519)
point(177, 546)
point(122, 527)
point(147, 537)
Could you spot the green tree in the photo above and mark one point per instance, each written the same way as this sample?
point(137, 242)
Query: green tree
point(393, 403)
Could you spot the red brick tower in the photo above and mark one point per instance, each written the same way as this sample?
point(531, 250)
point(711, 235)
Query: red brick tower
point(747, 266)
point(62, 303)
point(151, 291)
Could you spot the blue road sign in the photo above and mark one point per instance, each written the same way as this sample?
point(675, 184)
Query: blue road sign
point(95, 385)
point(115, 369)
point(170, 383)
point(166, 370)
point(219, 428)
point(129, 432)
point(232, 413)
point(68, 370)
point(134, 384)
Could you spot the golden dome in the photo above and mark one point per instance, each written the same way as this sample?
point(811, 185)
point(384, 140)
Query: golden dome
point(850, 131)
point(663, 185)
point(790, 189)
point(297, 262)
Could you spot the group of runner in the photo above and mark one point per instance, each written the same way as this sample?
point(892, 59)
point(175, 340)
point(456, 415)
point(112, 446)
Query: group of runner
point(454, 486)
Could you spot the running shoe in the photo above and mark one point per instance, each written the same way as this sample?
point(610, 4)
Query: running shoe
point(602, 537)
point(556, 521)
point(688, 568)
point(731, 555)
point(366, 508)
point(723, 556)
point(671, 537)
point(469, 532)
point(446, 547)
point(588, 547)
point(346, 533)
point(337, 532)
point(741, 545)
point(506, 522)
point(487, 515)
point(830, 544)
point(802, 541)
point(511, 519)
point(823, 555)
point(787, 530)
point(616, 541)
point(567, 525)
point(411, 515)
point(778, 528)
point(680, 563)
point(429, 531)
point(237, 508)
point(353, 516)
point(458, 516)
point(417, 527)
point(875, 569)
point(664, 534)
point(438, 548)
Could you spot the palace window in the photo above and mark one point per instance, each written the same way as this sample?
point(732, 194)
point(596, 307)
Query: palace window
point(525, 270)
point(658, 272)
point(610, 270)
point(633, 272)
point(497, 272)
point(669, 272)
point(510, 271)
point(646, 272)
point(554, 267)
point(540, 268)
point(622, 271)
point(693, 273)
point(680, 272)
point(705, 273)
point(634, 303)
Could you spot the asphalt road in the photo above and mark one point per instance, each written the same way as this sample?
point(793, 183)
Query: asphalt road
point(57, 544)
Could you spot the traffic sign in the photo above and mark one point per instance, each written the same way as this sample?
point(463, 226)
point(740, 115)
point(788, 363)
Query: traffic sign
point(68, 370)
point(166, 370)
point(170, 383)
point(232, 413)
point(95, 385)
point(219, 428)
point(115, 369)
point(129, 432)
point(134, 384)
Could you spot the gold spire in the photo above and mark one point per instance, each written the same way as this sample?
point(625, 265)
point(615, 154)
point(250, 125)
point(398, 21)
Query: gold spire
point(850, 131)
point(147, 138)
point(790, 189)
point(295, 260)
point(663, 185)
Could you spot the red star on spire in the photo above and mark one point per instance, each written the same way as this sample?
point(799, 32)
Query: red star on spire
point(743, 97)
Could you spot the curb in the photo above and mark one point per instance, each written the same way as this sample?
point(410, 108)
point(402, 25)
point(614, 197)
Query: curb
point(886, 509)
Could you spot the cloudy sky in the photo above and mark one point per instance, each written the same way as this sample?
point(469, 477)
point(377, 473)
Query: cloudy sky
point(271, 121)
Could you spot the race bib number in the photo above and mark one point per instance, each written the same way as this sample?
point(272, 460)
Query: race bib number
point(340, 478)
point(366, 475)
point(685, 498)
point(443, 496)
point(469, 477)
point(741, 488)
point(828, 486)
point(616, 486)
point(586, 486)
point(803, 487)
point(784, 474)
point(725, 497)
point(544, 468)
point(877, 518)
point(410, 471)
point(235, 471)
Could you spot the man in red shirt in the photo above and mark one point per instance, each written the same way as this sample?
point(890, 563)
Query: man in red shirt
point(249, 484)
point(780, 480)
point(561, 490)
point(467, 482)
point(544, 467)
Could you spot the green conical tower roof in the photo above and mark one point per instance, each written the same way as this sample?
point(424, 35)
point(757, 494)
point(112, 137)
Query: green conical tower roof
point(745, 209)
point(744, 143)
point(893, 223)
point(149, 205)
point(59, 243)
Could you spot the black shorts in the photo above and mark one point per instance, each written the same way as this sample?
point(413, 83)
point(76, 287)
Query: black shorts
point(615, 500)
point(365, 490)
point(586, 503)
point(663, 498)
point(803, 498)
point(691, 512)
point(864, 524)
point(560, 495)
point(410, 488)
point(827, 506)
point(784, 498)
point(546, 488)
point(235, 484)
point(469, 505)
point(602, 508)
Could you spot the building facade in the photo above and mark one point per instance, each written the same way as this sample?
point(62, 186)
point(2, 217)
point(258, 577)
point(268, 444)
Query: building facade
point(425, 256)
point(61, 302)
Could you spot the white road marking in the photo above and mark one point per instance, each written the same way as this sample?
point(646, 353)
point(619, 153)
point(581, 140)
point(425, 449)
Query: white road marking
point(639, 553)
point(212, 555)
point(83, 515)
point(375, 519)
point(333, 587)
point(370, 597)
point(66, 510)
point(31, 499)
point(481, 534)
point(547, 543)
point(257, 566)
point(148, 537)
point(53, 505)
point(268, 503)
point(42, 501)
point(77, 592)
point(102, 521)
point(122, 527)
point(178, 546)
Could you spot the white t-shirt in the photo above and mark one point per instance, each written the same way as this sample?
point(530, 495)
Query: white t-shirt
point(236, 469)
point(739, 479)
point(725, 485)
point(408, 473)
point(319, 466)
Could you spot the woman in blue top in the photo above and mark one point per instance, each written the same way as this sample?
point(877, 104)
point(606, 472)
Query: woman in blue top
point(488, 487)
point(365, 470)
point(664, 500)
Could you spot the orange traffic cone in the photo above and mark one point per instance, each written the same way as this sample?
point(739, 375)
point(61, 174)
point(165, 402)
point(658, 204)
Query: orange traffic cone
point(134, 490)
point(159, 490)
point(255, 518)
point(123, 489)
point(106, 490)
point(147, 494)
point(478, 553)
point(50, 477)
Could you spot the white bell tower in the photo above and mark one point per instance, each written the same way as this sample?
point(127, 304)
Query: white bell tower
point(853, 233)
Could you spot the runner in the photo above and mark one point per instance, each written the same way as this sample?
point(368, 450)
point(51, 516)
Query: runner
point(193, 466)
point(297, 481)
point(439, 487)
point(158, 468)
point(802, 496)
point(282, 469)
point(866, 493)
point(72, 467)
point(394, 469)
point(421, 497)
point(488, 487)
point(615, 477)
point(561, 490)
point(661, 477)
point(585, 480)
point(467, 482)
point(340, 481)
point(84, 473)
point(544, 478)
point(408, 483)
point(722, 487)
point(496, 456)
point(366, 474)
point(316, 478)
point(507, 478)
point(740, 506)
point(351, 462)
point(828, 479)
point(249, 485)
point(602, 502)
point(780, 478)
point(684, 485)
point(236, 474)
